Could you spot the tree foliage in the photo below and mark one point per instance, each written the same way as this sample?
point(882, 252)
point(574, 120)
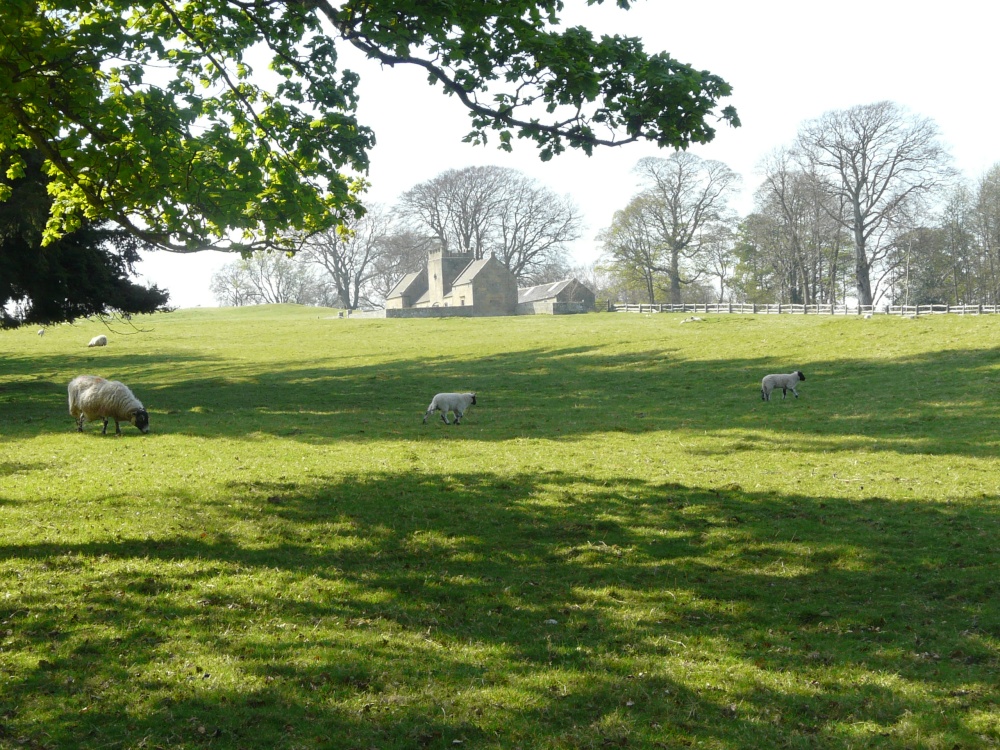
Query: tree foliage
point(631, 248)
point(85, 272)
point(152, 114)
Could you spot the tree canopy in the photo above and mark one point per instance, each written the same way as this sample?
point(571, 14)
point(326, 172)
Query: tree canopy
point(157, 114)
point(84, 272)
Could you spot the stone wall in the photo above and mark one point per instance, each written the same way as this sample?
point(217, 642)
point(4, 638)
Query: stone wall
point(551, 307)
point(420, 312)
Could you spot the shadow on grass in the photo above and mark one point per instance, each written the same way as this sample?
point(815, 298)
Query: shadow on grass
point(938, 403)
point(425, 610)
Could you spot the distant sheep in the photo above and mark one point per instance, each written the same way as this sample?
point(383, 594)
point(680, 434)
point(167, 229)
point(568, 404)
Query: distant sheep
point(692, 319)
point(101, 340)
point(454, 402)
point(784, 382)
point(91, 397)
point(41, 331)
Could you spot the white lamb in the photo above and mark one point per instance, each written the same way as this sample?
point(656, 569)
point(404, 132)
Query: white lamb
point(784, 382)
point(41, 331)
point(446, 402)
point(101, 340)
point(91, 397)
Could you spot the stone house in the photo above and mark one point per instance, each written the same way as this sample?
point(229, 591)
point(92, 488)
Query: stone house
point(457, 285)
point(456, 280)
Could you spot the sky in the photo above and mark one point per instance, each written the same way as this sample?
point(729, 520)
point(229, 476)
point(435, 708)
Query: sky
point(787, 61)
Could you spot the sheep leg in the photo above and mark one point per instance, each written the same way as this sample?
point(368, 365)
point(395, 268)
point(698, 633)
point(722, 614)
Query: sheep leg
point(105, 430)
point(763, 395)
point(79, 423)
point(458, 416)
point(444, 417)
point(118, 428)
point(795, 393)
point(784, 392)
point(427, 414)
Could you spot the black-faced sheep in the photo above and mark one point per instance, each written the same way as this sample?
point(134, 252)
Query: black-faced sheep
point(784, 382)
point(91, 397)
point(454, 402)
point(101, 340)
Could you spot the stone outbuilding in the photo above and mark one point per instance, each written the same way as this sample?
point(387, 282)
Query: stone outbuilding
point(556, 298)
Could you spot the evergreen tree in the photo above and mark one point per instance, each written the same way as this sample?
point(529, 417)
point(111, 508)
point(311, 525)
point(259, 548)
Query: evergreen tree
point(85, 272)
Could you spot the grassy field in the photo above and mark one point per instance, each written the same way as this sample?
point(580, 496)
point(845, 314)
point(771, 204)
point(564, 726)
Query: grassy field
point(621, 546)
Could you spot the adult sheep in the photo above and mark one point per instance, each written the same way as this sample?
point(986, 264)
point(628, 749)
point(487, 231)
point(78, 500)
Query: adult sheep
point(784, 382)
point(91, 397)
point(454, 402)
point(101, 340)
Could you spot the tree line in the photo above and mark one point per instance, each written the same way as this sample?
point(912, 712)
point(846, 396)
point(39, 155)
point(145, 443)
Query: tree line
point(863, 205)
point(483, 211)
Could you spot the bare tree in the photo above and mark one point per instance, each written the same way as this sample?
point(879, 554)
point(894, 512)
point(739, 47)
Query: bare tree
point(718, 258)
point(986, 220)
point(803, 239)
point(688, 200)
point(882, 162)
point(348, 254)
point(231, 286)
point(533, 229)
point(268, 277)
point(458, 207)
point(402, 251)
point(498, 211)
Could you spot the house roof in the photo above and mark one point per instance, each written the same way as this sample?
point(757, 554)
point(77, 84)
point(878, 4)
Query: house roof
point(403, 284)
point(469, 272)
point(543, 291)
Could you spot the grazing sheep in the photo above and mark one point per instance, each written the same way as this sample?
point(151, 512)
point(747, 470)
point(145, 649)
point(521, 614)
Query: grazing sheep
point(101, 340)
point(784, 382)
point(41, 331)
point(692, 319)
point(867, 316)
point(91, 397)
point(446, 402)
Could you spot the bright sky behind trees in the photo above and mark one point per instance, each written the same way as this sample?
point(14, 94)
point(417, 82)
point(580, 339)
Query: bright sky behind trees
point(787, 62)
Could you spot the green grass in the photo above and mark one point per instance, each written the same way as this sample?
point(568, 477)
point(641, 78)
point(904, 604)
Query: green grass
point(621, 546)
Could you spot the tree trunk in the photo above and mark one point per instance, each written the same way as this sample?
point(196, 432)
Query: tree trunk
point(675, 277)
point(862, 269)
point(863, 278)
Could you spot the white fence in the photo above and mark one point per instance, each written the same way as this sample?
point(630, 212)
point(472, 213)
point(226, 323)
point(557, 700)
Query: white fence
point(726, 307)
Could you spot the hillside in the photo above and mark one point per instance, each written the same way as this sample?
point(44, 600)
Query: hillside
point(621, 545)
